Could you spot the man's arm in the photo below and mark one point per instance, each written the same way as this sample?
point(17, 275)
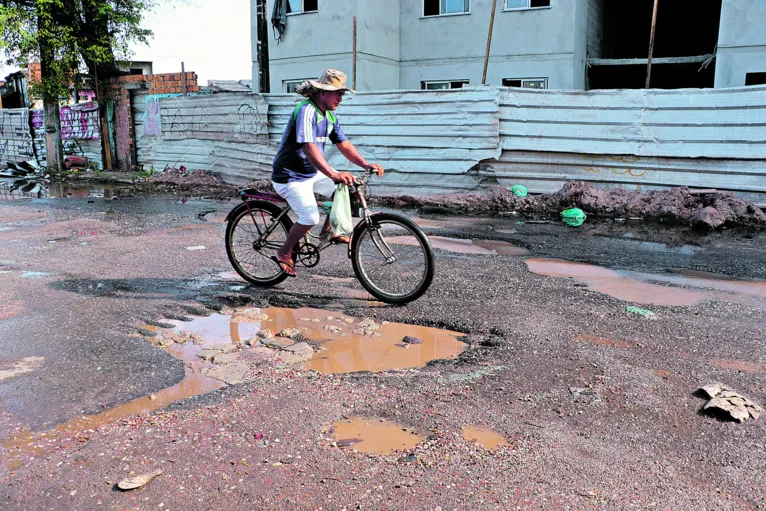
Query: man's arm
point(317, 159)
point(348, 150)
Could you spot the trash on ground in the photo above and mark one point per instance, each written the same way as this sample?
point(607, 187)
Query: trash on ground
point(638, 310)
point(573, 217)
point(519, 190)
point(724, 401)
point(138, 481)
point(196, 247)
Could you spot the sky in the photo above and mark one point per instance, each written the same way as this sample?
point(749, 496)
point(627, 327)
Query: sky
point(211, 37)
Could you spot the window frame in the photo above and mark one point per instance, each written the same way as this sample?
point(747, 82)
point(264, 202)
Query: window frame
point(296, 81)
point(443, 14)
point(527, 79)
point(303, 9)
point(425, 83)
point(756, 76)
point(527, 8)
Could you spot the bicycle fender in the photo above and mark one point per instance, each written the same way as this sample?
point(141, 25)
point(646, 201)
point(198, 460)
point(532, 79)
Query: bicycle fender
point(357, 230)
point(260, 203)
point(234, 212)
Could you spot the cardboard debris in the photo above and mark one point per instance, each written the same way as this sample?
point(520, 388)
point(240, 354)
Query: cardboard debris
point(138, 481)
point(724, 400)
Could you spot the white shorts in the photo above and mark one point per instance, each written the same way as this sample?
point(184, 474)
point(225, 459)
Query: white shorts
point(300, 196)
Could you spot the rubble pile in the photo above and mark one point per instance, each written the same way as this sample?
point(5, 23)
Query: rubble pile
point(707, 209)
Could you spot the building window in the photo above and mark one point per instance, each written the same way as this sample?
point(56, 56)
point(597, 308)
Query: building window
point(443, 84)
point(526, 83)
point(755, 79)
point(289, 86)
point(300, 6)
point(526, 4)
point(443, 7)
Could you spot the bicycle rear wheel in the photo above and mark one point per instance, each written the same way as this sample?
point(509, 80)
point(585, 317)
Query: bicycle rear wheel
point(393, 260)
point(249, 251)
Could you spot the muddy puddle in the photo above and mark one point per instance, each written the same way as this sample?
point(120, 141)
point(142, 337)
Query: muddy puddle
point(74, 191)
point(647, 288)
point(340, 344)
point(462, 246)
point(15, 450)
point(485, 437)
point(216, 217)
point(374, 436)
point(345, 344)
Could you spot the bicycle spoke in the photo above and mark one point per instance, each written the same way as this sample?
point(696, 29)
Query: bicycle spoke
point(398, 273)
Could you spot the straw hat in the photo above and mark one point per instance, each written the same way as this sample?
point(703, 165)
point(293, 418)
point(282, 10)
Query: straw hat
point(331, 80)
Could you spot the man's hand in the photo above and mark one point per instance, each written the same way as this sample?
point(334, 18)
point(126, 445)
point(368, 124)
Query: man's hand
point(346, 178)
point(376, 168)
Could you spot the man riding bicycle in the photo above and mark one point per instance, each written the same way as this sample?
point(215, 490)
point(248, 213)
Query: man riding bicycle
point(300, 168)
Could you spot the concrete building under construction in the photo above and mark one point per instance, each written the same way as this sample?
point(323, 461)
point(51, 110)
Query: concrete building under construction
point(557, 44)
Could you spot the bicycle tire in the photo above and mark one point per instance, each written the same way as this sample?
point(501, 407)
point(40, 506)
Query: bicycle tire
point(237, 251)
point(407, 234)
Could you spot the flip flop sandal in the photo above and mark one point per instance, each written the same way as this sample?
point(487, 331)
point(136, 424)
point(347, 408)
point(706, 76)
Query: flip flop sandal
point(286, 268)
point(338, 240)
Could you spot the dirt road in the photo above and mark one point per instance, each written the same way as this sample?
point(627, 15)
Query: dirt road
point(106, 305)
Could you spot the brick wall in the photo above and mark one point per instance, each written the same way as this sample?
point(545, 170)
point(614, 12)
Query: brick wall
point(123, 150)
point(119, 90)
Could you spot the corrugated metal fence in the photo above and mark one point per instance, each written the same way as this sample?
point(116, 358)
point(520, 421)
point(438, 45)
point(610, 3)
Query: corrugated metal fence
point(22, 133)
point(468, 139)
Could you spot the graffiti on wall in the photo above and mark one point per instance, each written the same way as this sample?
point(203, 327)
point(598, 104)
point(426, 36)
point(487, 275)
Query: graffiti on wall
point(38, 118)
point(79, 121)
point(15, 139)
point(223, 118)
point(153, 116)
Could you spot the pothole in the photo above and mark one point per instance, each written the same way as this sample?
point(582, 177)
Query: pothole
point(462, 246)
point(485, 437)
point(217, 217)
point(15, 450)
point(220, 349)
point(638, 287)
point(342, 344)
point(374, 436)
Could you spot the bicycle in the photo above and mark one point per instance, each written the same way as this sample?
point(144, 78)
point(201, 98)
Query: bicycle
point(391, 256)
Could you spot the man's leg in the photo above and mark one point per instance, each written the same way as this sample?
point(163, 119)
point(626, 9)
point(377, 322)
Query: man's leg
point(300, 196)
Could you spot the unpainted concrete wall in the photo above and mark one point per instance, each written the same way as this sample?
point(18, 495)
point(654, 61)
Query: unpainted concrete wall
point(741, 42)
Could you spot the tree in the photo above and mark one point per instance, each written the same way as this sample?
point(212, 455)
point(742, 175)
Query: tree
point(66, 36)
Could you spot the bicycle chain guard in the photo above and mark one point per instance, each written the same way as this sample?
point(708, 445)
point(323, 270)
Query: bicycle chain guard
point(308, 255)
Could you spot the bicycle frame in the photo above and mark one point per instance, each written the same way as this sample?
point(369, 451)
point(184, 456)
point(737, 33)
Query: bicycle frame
point(357, 188)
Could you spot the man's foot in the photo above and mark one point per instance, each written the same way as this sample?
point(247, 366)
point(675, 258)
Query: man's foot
point(287, 266)
point(337, 240)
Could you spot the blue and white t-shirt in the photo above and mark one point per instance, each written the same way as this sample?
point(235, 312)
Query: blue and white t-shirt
point(307, 125)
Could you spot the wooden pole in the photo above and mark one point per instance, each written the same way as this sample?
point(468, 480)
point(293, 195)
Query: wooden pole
point(183, 78)
point(651, 45)
point(489, 43)
point(353, 65)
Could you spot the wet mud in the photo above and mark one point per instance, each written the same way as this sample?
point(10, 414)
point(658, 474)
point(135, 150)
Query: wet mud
point(678, 206)
point(637, 287)
point(374, 436)
point(485, 437)
point(463, 246)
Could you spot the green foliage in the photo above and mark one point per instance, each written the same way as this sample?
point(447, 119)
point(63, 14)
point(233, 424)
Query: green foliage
point(145, 174)
point(67, 35)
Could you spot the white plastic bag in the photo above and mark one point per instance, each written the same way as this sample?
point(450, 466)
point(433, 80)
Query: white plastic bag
point(340, 214)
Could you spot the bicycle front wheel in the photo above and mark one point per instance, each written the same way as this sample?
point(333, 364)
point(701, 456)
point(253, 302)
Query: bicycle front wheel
point(250, 250)
point(392, 258)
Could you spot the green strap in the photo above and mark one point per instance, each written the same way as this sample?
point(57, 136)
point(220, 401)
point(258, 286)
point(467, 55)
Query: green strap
point(330, 116)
